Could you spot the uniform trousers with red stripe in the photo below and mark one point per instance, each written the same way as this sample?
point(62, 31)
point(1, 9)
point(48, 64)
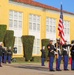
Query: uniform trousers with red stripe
point(66, 58)
point(58, 62)
point(51, 61)
point(72, 65)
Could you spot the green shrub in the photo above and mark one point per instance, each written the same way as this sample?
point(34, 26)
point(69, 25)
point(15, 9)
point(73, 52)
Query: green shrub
point(2, 32)
point(28, 42)
point(9, 39)
point(45, 42)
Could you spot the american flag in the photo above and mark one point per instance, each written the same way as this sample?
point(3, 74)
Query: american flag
point(61, 27)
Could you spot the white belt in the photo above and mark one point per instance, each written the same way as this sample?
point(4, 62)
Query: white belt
point(64, 49)
point(58, 49)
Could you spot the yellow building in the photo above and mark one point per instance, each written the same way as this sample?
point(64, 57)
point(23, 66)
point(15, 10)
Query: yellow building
point(27, 17)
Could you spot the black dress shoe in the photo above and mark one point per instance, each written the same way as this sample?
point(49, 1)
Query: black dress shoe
point(42, 65)
point(0, 65)
point(72, 69)
point(58, 70)
point(66, 69)
point(52, 70)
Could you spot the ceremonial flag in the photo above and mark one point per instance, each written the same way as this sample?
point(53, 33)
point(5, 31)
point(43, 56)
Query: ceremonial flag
point(61, 27)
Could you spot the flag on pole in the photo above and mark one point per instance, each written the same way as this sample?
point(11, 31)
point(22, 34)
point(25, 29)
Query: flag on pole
point(61, 27)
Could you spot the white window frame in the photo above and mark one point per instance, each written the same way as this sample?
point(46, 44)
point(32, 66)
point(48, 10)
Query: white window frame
point(51, 28)
point(66, 24)
point(17, 19)
point(35, 20)
point(16, 16)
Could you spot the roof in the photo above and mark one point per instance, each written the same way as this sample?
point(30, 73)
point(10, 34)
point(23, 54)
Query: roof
point(34, 3)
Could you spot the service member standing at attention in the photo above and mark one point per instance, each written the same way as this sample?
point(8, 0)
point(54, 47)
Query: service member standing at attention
point(43, 55)
point(51, 55)
point(72, 55)
point(9, 54)
point(65, 55)
point(1, 52)
point(58, 48)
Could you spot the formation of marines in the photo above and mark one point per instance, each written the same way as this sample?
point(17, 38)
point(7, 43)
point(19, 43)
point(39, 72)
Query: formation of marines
point(59, 52)
point(5, 54)
point(56, 51)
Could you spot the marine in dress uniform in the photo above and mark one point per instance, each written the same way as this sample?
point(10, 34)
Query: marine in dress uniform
point(72, 56)
point(65, 55)
point(51, 55)
point(9, 54)
point(58, 54)
point(43, 55)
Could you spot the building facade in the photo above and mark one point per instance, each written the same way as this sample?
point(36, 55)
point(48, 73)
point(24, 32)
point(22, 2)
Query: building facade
point(27, 17)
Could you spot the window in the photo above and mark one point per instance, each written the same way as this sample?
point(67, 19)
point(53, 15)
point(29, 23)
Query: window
point(36, 48)
point(34, 29)
point(18, 44)
point(51, 25)
point(67, 30)
point(51, 28)
point(34, 22)
point(15, 24)
point(15, 20)
point(11, 23)
point(67, 27)
point(15, 15)
point(30, 26)
point(11, 14)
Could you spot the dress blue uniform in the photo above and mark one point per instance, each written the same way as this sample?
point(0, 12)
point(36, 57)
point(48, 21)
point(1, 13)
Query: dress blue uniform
point(51, 55)
point(9, 55)
point(72, 56)
point(58, 55)
point(65, 56)
point(43, 56)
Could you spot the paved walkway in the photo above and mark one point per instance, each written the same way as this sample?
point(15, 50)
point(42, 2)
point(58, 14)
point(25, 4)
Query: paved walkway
point(30, 69)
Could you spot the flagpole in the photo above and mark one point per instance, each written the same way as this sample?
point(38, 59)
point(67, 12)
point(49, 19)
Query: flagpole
point(60, 12)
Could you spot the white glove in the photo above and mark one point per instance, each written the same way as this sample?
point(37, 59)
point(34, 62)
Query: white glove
point(51, 50)
point(64, 49)
point(72, 44)
point(58, 49)
point(55, 52)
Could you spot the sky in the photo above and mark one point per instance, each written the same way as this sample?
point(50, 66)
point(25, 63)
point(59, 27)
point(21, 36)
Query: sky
point(68, 5)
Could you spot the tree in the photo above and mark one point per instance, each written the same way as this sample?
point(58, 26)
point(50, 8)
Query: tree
point(2, 32)
point(9, 39)
point(28, 42)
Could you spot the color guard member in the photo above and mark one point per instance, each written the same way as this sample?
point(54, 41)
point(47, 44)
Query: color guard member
point(51, 55)
point(58, 54)
point(65, 55)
